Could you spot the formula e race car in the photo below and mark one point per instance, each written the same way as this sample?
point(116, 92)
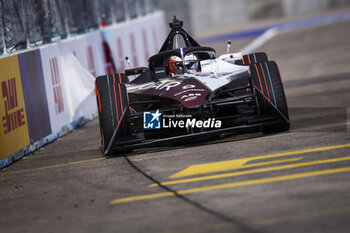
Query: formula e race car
point(187, 94)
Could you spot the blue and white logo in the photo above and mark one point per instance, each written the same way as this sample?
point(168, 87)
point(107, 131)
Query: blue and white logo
point(151, 120)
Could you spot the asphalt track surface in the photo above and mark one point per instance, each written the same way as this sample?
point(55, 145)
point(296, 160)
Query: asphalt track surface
point(297, 181)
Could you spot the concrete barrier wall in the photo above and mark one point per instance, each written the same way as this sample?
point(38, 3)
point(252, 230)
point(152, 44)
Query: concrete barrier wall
point(48, 91)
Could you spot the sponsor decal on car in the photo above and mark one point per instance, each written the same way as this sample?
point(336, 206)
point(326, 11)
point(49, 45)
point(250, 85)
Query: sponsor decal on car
point(191, 96)
point(161, 85)
point(157, 120)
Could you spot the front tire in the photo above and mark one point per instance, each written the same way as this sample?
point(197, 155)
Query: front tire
point(252, 58)
point(111, 100)
point(266, 77)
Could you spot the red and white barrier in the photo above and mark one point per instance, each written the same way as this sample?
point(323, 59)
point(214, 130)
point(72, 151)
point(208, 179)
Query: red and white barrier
point(56, 93)
point(138, 39)
point(50, 90)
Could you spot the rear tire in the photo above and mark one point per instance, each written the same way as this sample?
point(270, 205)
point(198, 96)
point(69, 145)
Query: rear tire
point(266, 77)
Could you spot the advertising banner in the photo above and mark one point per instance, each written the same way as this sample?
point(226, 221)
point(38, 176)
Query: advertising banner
point(34, 93)
point(132, 42)
point(88, 50)
point(95, 53)
point(13, 119)
point(158, 30)
point(56, 93)
point(116, 37)
point(138, 39)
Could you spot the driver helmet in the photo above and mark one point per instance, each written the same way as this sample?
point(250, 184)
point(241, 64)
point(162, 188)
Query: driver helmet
point(191, 63)
point(174, 63)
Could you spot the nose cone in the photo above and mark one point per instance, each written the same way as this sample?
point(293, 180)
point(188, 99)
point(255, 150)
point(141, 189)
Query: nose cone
point(186, 90)
point(190, 92)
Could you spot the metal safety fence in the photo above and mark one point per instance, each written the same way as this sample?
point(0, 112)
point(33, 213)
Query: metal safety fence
point(27, 23)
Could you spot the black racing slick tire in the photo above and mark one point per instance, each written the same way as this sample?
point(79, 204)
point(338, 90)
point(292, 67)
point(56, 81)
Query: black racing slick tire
point(252, 58)
point(112, 99)
point(266, 77)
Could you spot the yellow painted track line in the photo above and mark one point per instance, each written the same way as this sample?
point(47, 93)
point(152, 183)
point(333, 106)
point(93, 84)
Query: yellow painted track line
point(52, 166)
point(271, 162)
point(267, 169)
point(217, 166)
point(231, 185)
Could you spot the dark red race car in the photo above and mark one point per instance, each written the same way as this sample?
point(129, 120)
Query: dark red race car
point(188, 94)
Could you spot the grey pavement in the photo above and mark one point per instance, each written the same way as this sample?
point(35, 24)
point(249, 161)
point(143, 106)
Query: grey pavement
point(68, 186)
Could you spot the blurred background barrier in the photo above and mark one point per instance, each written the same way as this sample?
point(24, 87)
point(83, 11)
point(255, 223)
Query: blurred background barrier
point(204, 16)
point(26, 23)
point(48, 91)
